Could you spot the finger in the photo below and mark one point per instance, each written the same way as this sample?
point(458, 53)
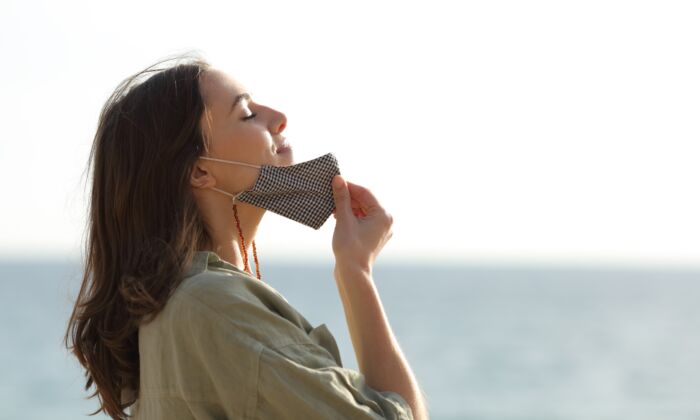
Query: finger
point(363, 195)
point(341, 195)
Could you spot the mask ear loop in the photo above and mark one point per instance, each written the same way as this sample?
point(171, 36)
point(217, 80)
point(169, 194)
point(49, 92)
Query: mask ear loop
point(235, 216)
point(244, 249)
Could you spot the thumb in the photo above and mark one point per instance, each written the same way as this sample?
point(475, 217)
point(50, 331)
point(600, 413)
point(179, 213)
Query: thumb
point(341, 195)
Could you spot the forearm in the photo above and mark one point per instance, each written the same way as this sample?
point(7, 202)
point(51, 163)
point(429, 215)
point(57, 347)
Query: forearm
point(379, 356)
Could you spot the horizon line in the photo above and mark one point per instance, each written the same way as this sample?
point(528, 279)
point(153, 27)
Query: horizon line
point(449, 261)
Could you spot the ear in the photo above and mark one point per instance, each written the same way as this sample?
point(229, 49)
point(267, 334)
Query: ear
point(201, 177)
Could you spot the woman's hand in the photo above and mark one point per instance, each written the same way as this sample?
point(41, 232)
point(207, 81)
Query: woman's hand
point(362, 225)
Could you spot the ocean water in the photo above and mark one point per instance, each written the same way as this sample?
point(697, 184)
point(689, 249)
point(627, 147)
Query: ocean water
point(486, 343)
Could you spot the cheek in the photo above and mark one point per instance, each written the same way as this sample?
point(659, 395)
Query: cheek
point(249, 141)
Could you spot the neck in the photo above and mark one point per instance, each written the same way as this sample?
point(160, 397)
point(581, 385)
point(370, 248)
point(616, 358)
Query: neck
point(226, 241)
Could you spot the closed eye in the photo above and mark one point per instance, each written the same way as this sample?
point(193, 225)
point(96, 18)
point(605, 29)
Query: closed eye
point(250, 117)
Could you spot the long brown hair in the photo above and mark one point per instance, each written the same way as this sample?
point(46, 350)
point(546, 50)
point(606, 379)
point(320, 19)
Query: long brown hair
point(143, 223)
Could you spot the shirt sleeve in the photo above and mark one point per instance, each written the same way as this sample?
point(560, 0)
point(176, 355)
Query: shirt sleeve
point(303, 381)
point(246, 352)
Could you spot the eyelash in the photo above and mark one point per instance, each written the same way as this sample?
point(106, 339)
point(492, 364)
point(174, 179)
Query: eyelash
point(251, 116)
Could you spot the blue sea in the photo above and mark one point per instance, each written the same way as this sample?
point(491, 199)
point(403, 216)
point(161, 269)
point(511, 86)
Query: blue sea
point(485, 342)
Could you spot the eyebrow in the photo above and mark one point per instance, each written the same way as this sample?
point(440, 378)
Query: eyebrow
point(237, 99)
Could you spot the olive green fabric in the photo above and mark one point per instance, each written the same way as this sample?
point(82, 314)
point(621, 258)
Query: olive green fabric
point(229, 346)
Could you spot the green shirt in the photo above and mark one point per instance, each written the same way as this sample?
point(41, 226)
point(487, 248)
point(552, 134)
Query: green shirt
point(229, 346)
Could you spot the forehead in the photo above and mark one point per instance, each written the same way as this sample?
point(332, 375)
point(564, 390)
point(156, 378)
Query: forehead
point(219, 90)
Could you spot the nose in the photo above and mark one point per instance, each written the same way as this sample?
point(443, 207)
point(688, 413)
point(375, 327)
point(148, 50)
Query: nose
point(280, 122)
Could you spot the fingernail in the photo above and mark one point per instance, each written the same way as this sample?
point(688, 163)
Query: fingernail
point(337, 181)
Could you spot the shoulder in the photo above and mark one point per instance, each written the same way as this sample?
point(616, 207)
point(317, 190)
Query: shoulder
point(215, 286)
point(233, 302)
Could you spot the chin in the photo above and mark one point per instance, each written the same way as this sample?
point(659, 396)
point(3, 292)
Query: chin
point(286, 158)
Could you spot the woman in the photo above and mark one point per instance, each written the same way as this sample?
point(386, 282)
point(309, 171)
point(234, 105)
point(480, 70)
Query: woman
point(170, 321)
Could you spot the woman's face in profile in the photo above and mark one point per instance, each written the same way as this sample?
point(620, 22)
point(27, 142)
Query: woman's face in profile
point(239, 128)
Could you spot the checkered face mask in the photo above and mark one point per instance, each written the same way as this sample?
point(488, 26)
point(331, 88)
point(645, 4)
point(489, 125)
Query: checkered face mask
point(301, 192)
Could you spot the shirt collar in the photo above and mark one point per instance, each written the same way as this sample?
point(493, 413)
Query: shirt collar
point(205, 260)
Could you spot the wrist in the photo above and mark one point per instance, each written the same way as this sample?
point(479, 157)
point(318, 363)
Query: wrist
point(352, 268)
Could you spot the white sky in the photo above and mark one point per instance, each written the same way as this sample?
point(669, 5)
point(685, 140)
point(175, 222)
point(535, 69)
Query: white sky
point(536, 132)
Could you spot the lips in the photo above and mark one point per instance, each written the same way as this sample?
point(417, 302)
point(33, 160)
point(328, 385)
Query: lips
point(285, 147)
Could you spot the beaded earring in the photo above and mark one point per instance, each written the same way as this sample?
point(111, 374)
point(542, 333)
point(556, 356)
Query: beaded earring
point(244, 250)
